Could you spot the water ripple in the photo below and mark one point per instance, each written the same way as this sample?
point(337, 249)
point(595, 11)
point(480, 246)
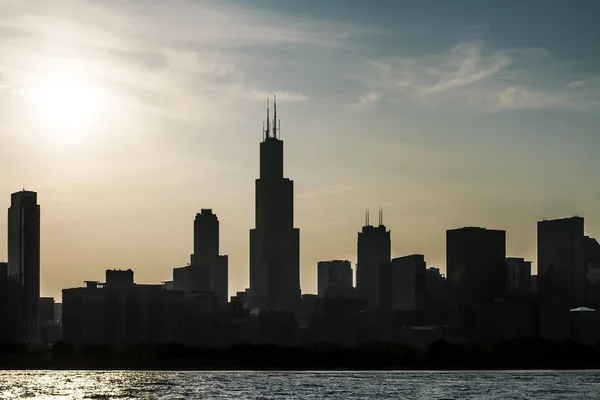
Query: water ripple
point(144, 385)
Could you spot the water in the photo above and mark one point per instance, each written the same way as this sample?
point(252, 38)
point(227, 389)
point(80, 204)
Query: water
point(298, 385)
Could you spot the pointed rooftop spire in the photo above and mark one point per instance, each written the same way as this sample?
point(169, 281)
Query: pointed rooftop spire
point(268, 121)
point(275, 116)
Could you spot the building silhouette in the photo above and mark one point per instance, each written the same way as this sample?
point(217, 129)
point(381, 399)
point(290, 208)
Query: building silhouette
point(334, 278)
point(476, 264)
point(592, 261)
point(561, 274)
point(274, 242)
point(3, 301)
point(518, 276)
point(476, 270)
point(207, 271)
point(403, 284)
point(23, 266)
point(374, 248)
point(561, 260)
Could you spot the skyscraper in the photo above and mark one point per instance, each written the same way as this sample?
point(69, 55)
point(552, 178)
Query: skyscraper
point(402, 284)
point(561, 274)
point(24, 266)
point(476, 264)
point(274, 242)
point(208, 271)
point(518, 276)
point(3, 300)
point(374, 249)
point(561, 260)
point(206, 238)
point(334, 278)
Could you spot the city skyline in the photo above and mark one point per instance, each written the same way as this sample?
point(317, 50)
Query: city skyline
point(164, 133)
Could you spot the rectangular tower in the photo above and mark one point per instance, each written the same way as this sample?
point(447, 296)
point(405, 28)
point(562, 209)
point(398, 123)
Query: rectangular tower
point(24, 266)
point(476, 264)
point(374, 249)
point(561, 260)
point(274, 242)
point(334, 278)
point(561, 274)
point(402, 284)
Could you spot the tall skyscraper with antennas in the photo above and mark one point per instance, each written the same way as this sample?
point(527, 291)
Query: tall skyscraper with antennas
point(274, 242)
point(374, 249)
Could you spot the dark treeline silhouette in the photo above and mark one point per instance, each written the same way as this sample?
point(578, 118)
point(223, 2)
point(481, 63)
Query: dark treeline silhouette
point(510, 354)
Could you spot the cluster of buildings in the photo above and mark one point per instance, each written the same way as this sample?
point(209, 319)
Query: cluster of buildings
point(484, 296)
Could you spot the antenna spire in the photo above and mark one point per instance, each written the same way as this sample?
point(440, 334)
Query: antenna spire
point(367, 217)
point(268, 121)
point(380, 216)
point(275, 116)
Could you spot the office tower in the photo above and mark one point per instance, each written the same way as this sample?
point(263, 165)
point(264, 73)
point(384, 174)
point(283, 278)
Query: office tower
point(561, 261)
point(220, 280)
point(274, 242)
point(592, 262)
point(374, 248)
point(24, 266)
point(3, 301)
point(518, 276)
point(334, 278)
point(476, 264)
point(402, 284)
point(206, 238)
point(207, 270)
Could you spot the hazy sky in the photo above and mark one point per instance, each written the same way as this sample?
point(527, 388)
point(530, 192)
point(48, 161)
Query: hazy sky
point(128, 117)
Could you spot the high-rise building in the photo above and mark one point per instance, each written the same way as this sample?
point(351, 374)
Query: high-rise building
point(476, 264)
point(518, 276)
point(24, 266)
point(274, 242)
point(561, 274)
point(206, 238)
point(3, 301)
point(334, 278)
point(561, 261)
point(374, 249)
point(207, 271)
point(592, 262)
point(402, 284)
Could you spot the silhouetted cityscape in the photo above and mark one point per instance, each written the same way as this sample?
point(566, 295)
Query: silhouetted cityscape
point(485, 296)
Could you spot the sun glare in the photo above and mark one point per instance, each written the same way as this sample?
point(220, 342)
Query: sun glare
point(68, 106)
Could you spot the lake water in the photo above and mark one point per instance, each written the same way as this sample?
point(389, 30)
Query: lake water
point(298, 385)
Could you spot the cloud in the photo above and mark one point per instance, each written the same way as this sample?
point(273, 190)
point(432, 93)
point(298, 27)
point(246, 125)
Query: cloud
point(575, 84)
point(182, 60)
point(474, 77)
point(366, 101)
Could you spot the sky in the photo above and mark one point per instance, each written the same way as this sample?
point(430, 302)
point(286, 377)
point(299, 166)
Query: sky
point(128, 117)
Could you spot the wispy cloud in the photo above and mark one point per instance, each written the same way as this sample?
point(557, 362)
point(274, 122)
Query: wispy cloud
point(472, 76)
point(171, 59)
point(575, 84)
point(366, 101)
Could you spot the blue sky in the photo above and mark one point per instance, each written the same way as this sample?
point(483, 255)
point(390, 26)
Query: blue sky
point(128, 117)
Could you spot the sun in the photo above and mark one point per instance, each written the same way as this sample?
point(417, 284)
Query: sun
point(68, 106)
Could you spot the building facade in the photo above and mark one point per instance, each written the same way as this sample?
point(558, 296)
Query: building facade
point(334, 278)
point(274, 242)
point(23, 266)
point(518, 275)
point(373, 249)
point(476, 264)
point(403, 284)
point(561, 260)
